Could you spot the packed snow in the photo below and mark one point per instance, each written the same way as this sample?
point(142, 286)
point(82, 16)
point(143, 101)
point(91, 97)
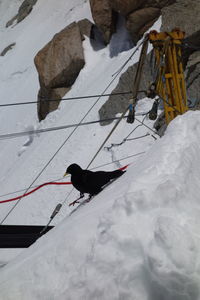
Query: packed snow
point(140, 237)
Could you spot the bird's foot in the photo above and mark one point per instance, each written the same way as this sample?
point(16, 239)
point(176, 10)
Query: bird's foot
point(74, 202)
point(77, 200)
point(89, 198)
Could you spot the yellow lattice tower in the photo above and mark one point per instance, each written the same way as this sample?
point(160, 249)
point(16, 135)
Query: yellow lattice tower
point(170, 82)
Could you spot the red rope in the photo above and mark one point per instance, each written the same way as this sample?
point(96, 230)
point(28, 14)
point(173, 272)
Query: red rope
point(123, 168)
point(40, 186)
point(37, 188)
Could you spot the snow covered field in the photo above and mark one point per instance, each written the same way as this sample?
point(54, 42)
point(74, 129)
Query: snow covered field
point(138, 239)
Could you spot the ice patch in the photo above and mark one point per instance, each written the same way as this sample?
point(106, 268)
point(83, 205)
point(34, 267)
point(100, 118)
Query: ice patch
point(28, 141)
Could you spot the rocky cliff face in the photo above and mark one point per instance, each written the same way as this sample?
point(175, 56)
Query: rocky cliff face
point(139, 15)
point(24, 10)
point(104, 18)
point(61, 60)
point(183, 14)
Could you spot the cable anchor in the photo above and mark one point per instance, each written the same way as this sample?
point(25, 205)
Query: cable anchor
point(54, 213)
point(131, 114)
point(153, 113)
point(151, 92)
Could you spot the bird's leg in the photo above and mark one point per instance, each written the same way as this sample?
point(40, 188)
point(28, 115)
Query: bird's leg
point(89, 198)
point(76, 201)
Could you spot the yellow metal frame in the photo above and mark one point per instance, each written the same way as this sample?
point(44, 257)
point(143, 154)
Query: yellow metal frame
point(170, 82)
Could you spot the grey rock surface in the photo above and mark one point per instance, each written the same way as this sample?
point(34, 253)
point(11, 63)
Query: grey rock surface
point(193, 80)
point(140, 21)
point(104, 17)
point(8, 48)
point(125, 7)
point(23, 11)
point(118, 104)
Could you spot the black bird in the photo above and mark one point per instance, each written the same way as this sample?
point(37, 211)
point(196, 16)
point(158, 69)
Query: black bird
point(86, 181)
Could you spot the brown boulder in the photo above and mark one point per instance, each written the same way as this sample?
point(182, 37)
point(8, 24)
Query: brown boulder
point(58, 65)
point(139, 21)
point(48, 100)
point(125, 7)
point(104, 18)
point(85, 27)
point(159, 3)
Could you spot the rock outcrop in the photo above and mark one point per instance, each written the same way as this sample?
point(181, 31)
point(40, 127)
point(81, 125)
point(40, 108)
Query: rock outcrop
point(141, 20)
point(192, 44)
point(85, 27)
point(158, 3)
point(104, 18)
point(61, 60)
point(58, 65)
point(125, 7)
point(185, 16)
point(118, 103)
point(139, 15)
point(8, 48)
point(24, 10)
point(193, 80)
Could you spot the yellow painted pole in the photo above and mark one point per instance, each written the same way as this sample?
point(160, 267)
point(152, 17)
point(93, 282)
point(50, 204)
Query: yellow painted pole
point(170, 83)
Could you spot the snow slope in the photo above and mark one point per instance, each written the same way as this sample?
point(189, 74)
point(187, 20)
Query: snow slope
point(139, 238)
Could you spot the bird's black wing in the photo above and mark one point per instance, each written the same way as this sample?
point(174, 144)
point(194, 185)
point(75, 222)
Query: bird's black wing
point(92, 182)
point(104, 177)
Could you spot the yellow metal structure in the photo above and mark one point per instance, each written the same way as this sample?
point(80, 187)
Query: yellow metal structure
point(169, 82)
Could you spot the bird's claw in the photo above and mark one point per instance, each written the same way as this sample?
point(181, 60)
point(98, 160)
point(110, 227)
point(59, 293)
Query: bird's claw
point(73, 203)
point(76, 201)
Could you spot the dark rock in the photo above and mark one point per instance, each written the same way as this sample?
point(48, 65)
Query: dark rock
point(160, 124)
point(193, 80)
point(10, 22)
point(141, 20)
point(140, 14)
point(24, 10)
point(191, 45)
point(126, 7)
point(104, 17)
point(182, 14)
point(85, 27)
point(159, 3)
point(118, 104)
point(44, 106)
point(9, 47)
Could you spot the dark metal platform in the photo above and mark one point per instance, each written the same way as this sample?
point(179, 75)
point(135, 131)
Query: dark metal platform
point(20, 236)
